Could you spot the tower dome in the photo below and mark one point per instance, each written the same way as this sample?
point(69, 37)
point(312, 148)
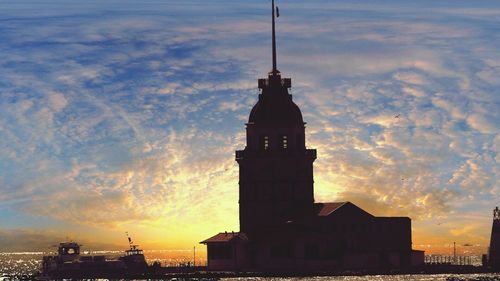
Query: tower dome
point(275, 106)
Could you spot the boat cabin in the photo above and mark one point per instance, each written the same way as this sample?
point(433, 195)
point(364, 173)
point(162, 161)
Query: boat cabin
point(134, 251)
point(68, 251)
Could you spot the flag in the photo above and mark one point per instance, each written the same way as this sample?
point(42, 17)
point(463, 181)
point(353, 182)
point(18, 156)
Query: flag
point(277, 12)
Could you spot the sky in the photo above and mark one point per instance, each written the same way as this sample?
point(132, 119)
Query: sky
point(124, 115)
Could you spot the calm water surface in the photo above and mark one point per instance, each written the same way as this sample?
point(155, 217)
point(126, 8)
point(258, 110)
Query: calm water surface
point(439, 277)
point(25, 263)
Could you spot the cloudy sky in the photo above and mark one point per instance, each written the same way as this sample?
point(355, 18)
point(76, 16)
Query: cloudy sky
point(124, 115)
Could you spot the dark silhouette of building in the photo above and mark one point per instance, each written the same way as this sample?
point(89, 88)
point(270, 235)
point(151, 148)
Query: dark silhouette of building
point(281, 227)
point(494, 250)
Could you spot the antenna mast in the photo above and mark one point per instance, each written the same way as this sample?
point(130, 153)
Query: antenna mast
point(130, 243)
point(275, 70)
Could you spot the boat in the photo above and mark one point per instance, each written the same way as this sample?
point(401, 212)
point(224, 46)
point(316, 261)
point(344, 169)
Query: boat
point(68, 263)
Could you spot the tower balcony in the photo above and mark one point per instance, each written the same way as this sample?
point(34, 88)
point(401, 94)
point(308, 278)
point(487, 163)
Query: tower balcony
point(281, 153)
point(266, 82)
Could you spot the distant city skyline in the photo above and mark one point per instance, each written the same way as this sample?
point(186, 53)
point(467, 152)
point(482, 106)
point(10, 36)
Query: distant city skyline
point(124, 116)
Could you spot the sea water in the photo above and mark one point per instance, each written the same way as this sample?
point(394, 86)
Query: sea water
point(29, 262)
point(418, 277)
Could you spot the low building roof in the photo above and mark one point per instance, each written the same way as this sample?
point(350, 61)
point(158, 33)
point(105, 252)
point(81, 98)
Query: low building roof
point(340, 209)
point(325, 209)
point(225, 237)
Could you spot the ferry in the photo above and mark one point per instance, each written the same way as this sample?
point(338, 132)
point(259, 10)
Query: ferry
point(68, 263)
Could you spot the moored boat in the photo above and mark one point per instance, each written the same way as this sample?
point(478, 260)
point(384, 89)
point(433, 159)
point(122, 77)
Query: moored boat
point(69, 263)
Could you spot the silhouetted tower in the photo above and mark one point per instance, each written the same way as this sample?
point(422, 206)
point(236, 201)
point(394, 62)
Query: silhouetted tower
point(276, 169)
point(494, 253)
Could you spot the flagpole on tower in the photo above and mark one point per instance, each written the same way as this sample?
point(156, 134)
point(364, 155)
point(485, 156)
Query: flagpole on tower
point(275, 70)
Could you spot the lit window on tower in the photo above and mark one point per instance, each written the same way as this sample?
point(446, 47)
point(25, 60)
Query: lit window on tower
point(265, 142)
point(284, 142)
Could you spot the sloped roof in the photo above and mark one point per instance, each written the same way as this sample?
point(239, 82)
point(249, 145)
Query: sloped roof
point(225, 237)
point(325, 209)
point(329, 208)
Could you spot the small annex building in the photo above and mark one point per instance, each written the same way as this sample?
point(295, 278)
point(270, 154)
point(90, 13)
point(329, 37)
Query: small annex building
point(282, 228)
point(227, 251)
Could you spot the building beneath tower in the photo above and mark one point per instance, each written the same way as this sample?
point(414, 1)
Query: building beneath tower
point(282, 228)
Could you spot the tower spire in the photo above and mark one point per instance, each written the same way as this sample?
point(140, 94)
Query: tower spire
point(275, 70)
